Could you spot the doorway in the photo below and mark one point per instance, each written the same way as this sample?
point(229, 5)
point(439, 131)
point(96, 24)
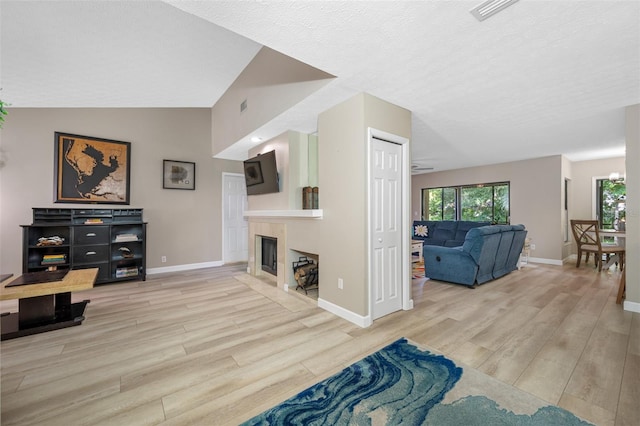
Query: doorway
point(235, 228)
point(389, 231)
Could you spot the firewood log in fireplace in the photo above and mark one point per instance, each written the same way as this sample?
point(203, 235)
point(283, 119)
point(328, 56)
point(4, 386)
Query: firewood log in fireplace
point(305, 275)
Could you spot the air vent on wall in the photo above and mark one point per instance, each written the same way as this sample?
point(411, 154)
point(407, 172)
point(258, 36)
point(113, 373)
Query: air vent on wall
point(490, 8)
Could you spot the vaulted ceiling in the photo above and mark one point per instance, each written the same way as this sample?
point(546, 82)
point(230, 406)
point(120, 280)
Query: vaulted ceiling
point(539, 78)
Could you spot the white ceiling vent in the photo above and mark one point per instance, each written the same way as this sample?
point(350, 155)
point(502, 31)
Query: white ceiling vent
point(490, 8)
point(418, 168)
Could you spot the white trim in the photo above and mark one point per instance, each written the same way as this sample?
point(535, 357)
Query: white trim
point(359, 320)
point(187, 267)
point(546, 261)
point(222, 206)
point(405, 227)
point(631, 306)
point(314, 213)
point(594, 195)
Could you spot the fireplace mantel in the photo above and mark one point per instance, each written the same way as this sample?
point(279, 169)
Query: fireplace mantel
point(310, 213)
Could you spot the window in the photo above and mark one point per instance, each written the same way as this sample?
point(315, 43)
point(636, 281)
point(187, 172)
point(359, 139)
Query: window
point(611, 203)
point(441, 202)
point(481, 203)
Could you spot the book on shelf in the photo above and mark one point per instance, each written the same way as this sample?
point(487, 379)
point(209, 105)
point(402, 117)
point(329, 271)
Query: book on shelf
point(131, 271)
point(120, 238)
point(93, 221)
point(53, 259)
point(54, 256)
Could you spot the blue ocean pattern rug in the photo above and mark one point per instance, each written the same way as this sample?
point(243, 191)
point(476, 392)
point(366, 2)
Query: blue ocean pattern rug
point(399, 385)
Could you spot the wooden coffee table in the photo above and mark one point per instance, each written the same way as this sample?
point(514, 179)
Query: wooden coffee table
point(44, 306)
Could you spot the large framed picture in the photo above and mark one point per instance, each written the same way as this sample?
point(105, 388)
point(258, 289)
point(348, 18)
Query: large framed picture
point(178, 175)
point(91, 170)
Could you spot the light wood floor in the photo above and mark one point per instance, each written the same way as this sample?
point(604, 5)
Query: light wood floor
point(204, 348)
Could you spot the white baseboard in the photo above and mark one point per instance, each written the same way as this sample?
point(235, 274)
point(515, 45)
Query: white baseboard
point(187, 267)
point(631, 306)
point(408, 305)
point(545, 261)
point(359, 320)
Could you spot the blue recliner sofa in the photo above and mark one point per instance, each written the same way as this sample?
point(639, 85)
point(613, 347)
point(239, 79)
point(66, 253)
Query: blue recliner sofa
point(488, 252)
point(448, 233)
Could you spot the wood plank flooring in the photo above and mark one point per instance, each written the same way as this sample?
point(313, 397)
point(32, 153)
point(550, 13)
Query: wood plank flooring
point(216, 347)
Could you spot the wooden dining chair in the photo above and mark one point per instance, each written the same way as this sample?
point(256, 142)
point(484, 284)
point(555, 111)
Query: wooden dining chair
point(587, 236)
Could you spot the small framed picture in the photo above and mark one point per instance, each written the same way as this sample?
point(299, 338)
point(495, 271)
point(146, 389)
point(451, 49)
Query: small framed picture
point(178, 174)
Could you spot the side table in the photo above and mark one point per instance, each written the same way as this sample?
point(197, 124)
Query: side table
point(416, 247)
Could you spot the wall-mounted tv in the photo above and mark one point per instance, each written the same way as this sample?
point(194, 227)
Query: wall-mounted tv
point(261, 174)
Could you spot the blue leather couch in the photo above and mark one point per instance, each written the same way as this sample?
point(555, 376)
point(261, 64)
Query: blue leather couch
point(447, 233)
point(488, 252)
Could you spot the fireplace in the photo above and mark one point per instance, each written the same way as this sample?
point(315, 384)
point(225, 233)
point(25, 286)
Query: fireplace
point(269, 256)
point(274, 231)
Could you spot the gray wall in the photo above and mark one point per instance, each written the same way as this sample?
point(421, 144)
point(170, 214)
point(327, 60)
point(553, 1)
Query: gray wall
point(185, 226)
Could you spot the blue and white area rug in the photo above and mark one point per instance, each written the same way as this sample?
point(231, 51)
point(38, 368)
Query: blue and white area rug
point(404, 385)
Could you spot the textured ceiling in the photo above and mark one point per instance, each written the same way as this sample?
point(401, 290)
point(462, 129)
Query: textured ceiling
point(539, 78)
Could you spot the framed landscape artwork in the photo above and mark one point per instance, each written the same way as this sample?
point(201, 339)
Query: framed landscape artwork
point(178, 175)
point(91, 170)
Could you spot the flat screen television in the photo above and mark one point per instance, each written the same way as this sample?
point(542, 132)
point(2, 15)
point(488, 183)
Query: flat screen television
point(261, 174)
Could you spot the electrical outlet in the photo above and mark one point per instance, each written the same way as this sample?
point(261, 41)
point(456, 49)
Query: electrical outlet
point(163, 259)
point(533, 246)
point(340, 283)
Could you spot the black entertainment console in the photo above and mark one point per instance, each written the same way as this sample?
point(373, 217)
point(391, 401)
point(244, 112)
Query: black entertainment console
point(112, 240)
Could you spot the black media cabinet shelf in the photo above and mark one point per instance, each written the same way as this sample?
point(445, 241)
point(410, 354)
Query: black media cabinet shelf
point(112, 240)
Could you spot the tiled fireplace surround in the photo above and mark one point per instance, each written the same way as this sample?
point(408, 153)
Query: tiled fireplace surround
point(273, 230)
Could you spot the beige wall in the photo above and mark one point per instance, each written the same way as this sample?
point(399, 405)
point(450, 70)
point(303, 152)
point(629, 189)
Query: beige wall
point(582, 180)
point(564, 213)
point(184, 226)
point(271, 84)
point(339, 239)
point(536, 196)
point(342, 162)
point(537, 199)
point(633, 207)
point(292, 161)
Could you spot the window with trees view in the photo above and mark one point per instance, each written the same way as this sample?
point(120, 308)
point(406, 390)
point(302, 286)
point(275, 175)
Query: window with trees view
point(611, 203)
point(487, 202)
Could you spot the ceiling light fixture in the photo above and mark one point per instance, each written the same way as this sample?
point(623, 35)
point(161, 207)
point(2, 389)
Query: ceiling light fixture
point(256, 139)
point(490, 8)
point(616, 177)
